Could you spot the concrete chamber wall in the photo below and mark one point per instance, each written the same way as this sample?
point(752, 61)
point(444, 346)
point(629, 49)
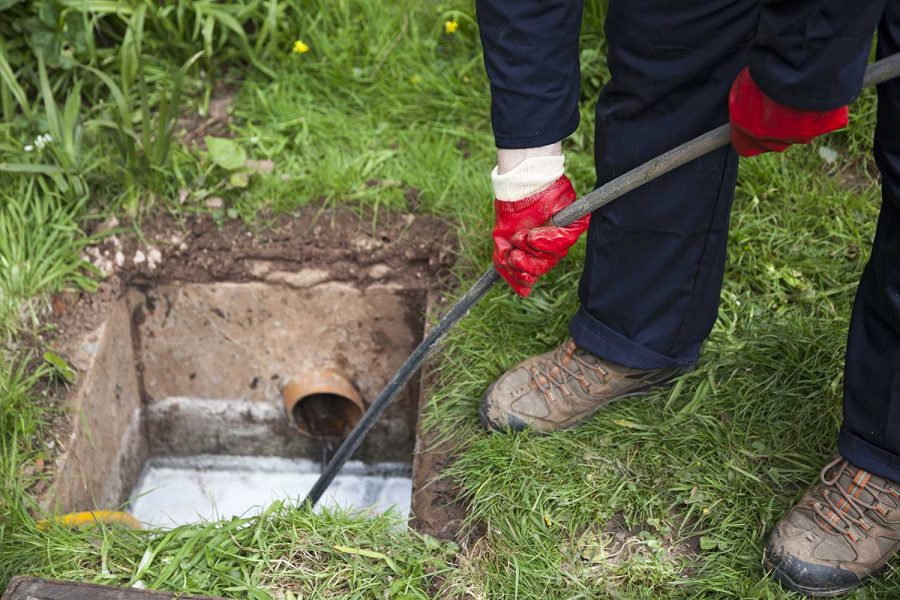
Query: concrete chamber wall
point(188, 369)
point(105, 448)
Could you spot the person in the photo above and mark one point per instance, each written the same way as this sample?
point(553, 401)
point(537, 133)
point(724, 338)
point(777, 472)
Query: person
point(782, 73)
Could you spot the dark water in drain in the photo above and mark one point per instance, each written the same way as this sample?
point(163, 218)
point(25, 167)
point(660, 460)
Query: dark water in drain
point(328, 418)
point(327, 415)
point(329, 447)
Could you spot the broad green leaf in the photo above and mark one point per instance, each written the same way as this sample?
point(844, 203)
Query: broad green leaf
point(60, 366)
point(711, 543)
point(239, 179)
point(226, 153)
point(708, 543)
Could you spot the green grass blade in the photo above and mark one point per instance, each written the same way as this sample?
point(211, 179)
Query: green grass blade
point(8, 78)
point(31, 168)
point(50, 109)
point(70, 123)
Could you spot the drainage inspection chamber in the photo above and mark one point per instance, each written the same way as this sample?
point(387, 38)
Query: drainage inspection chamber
point(199, 400)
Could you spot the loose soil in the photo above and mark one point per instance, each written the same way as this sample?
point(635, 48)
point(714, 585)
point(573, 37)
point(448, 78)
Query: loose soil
point(305, 248)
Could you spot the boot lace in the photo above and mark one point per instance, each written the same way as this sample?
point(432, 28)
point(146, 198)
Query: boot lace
point(838, 509)
point(555, 372)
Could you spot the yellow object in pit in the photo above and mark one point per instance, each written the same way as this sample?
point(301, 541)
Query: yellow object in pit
point(93, 517)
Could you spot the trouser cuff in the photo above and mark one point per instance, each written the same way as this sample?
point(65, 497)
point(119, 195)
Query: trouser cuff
point(868, 456)
point(600, 340)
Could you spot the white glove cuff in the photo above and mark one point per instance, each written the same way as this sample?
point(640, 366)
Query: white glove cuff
point(528, 177)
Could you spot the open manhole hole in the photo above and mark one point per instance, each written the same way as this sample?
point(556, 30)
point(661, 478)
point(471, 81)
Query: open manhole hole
point(216, 362)
point(200, 400)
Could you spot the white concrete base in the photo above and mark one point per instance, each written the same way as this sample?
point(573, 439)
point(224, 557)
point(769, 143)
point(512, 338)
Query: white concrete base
point(178, 490)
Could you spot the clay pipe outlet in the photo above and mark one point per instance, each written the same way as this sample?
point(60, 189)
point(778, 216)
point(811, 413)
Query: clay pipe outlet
point(322, 404)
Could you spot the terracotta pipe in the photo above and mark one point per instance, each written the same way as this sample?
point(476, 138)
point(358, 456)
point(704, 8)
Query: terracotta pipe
point(321, 403)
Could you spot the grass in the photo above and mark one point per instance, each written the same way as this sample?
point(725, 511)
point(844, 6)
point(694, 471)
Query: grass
point(385, 96)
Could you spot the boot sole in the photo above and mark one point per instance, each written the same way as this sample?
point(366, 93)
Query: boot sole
point(491, 426)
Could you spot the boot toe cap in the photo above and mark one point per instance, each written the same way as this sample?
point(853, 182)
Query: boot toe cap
point(510, 403)
point(810, 578)
point(497, 415)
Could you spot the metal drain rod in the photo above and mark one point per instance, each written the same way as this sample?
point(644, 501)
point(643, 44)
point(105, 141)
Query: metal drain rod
point(877, 72)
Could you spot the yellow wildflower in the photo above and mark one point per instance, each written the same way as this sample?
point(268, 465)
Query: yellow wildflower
point(415, 79)
point(451, 26)
point(301, 47)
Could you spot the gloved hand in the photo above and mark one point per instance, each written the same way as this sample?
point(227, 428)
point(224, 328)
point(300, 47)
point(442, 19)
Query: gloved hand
point(526, 246)
point(760, 124)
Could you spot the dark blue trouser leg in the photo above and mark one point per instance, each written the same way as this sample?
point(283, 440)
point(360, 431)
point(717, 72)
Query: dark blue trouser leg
point(655, 257)
point(870, 435)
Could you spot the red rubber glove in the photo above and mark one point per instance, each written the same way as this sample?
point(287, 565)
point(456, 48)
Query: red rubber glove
point(759, 124)
point(525, 246)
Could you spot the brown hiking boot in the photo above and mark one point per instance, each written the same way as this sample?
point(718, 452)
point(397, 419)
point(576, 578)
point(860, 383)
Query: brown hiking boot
point(561, 388)
point(842, 531)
